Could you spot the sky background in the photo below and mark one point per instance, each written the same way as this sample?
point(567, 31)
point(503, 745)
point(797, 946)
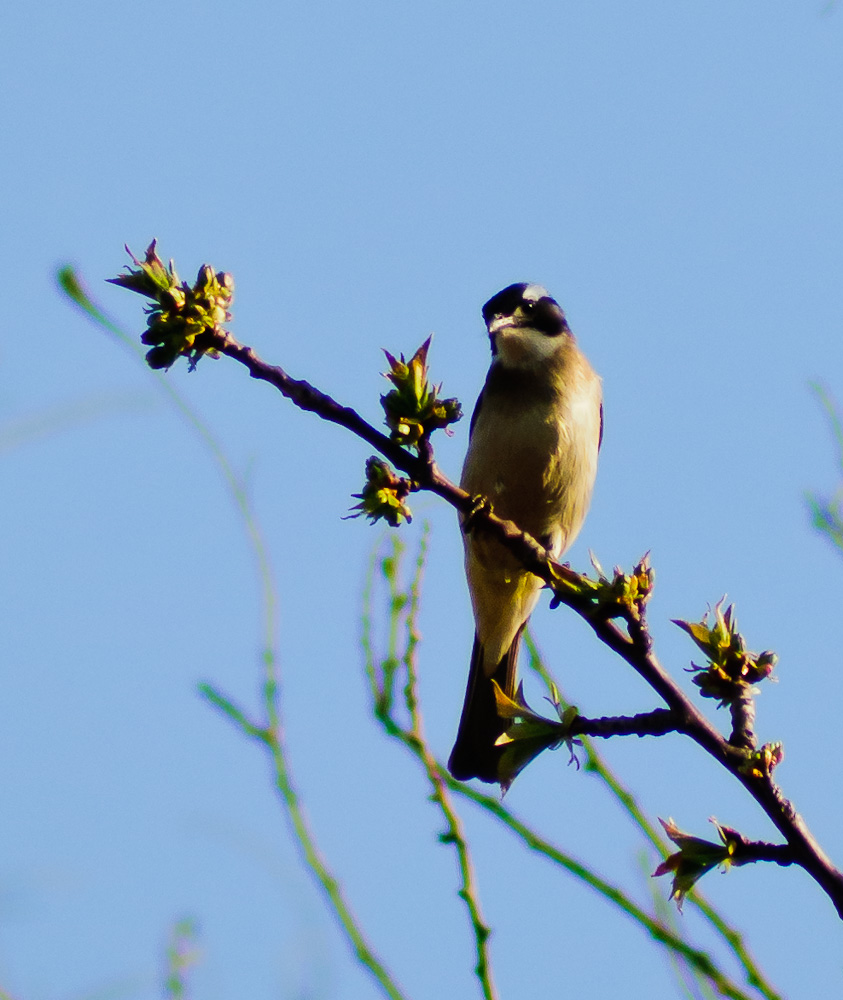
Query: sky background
point(372, 172)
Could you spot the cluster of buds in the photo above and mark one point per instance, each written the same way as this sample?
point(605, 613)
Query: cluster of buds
point(182, 321)
point(628, 592)
point(731, 671)
point(413, 408)
point(530, 733)
point(383, 495)
point(761, 763)
point(696, 856)
point(623, 595)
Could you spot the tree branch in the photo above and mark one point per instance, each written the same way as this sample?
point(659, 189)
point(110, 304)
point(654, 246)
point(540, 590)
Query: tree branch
point(633, 644)
point(659, 722)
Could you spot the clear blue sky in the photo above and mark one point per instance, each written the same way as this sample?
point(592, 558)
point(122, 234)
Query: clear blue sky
point(371, 172)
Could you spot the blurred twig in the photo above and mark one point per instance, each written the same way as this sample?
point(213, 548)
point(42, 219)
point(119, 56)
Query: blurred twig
point(182, 955)
point(72, 287)
point(386, 672)
point(270, 731)
point(14, 433)
point(271, 736)
point(827, 512)
point(693, 985)
point(403, 617)
point(596, 764)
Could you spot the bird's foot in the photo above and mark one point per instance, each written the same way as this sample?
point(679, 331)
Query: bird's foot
point(479, 505)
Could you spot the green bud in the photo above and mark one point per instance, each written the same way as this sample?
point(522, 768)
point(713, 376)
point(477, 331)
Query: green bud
point(762, 762)
point(696, 857)
point(624, 595)
point(182, 321)
point(383, 495)
point(731, 670)
point(530, 733)
point(161, 357)
point(412, 408)
point(151, 277)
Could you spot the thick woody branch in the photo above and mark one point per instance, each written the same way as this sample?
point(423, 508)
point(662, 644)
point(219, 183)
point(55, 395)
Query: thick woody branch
point(308, 398)
point(637, 651)
point(751, 851)
point(632, 643)
point(743, 720)
point(656, 723)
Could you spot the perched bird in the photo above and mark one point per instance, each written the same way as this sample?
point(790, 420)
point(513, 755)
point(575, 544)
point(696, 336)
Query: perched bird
point(535, 434)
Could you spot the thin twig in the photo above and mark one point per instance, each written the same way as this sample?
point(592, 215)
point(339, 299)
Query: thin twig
point(700, 960)
point(413, 739)
point(827, 514)
point(596, 764)
point(659, 722)
point(270, 732)
point(403, 608)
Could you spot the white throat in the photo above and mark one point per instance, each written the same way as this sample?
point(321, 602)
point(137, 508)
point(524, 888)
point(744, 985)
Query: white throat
point(523, 347)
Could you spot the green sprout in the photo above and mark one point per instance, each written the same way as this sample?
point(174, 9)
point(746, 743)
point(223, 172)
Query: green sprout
point(624, 595)
point(413, 408)
point(732, 670)
point(530, 733)
point(383, 495)
point(696, 856)
point(762, 762)
point(182, 321)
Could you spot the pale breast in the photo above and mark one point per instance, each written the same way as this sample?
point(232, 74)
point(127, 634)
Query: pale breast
point(534, 453)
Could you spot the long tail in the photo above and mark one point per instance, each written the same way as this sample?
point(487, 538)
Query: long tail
point(475, 754)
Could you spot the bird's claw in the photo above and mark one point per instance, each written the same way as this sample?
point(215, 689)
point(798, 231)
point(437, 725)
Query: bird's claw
point(479, 505)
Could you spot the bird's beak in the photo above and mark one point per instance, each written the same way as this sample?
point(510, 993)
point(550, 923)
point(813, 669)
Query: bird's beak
point(501, 323)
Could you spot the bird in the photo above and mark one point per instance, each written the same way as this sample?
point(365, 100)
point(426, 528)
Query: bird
point(535, 435)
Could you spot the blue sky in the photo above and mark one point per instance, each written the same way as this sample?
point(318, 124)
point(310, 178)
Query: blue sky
point(372, 173)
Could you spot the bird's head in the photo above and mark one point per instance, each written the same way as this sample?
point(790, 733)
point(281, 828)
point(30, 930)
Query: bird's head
point(526, 325)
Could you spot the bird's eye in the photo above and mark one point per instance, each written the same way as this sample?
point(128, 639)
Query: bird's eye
point(529, 305)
